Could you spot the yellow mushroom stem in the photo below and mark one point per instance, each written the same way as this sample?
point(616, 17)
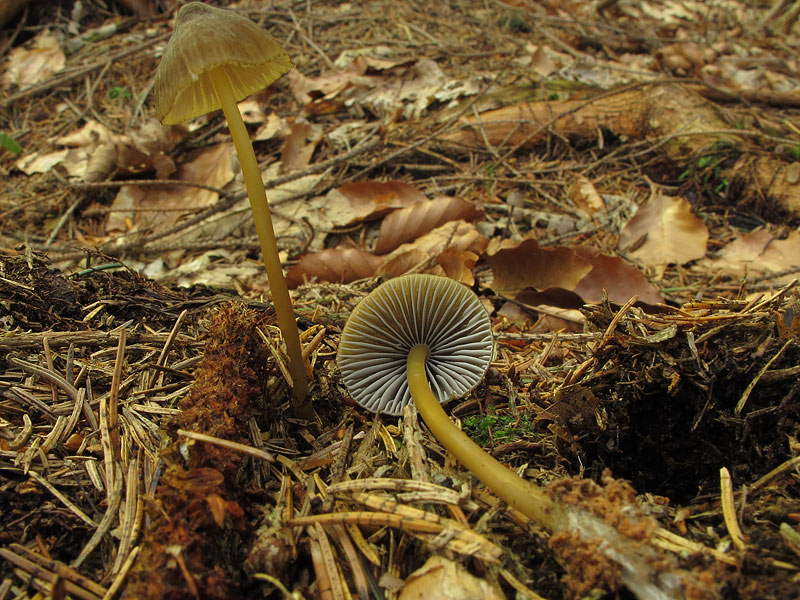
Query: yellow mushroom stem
point(529, 499)
point(647, 572)
point(266, 237)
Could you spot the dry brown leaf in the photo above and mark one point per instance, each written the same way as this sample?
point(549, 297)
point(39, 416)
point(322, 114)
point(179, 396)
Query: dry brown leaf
point(273, 126)
point(553, 296)
point(26, 67)
point(373, 199)
point(97, 152)
point(299, 145)
point(519, 265)
point(443, 579)
point(329, 85)
point(458, 264)
point(585, 196)
point(664, 231)
point(335, 265)
point(409, 223)
point(420, 255)
point(759, 252)
point(159, 208)
point(619, 279)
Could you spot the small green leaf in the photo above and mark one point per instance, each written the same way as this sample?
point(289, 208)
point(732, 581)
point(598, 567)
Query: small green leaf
point(9, 143)
point(703, 161)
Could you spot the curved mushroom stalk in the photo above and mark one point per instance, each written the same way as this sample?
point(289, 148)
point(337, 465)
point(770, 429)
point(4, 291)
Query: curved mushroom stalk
point(527, 498)
point(215, 58)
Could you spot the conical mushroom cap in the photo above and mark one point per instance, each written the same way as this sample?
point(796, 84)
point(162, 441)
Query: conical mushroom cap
point(205, 38)
point(404, 312)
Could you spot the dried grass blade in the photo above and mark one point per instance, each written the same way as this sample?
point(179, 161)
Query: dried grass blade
point(48, 375)
point(128, 517)
point(114, 500)
point(368, 519)
point(123, 573)
point(729, 509)
point(51, 570)
point(173, 334)
point(235, 446)
point(359, 577)
point(317, 533)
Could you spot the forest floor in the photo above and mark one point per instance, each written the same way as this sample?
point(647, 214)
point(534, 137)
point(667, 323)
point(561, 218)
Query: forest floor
point(619, 182)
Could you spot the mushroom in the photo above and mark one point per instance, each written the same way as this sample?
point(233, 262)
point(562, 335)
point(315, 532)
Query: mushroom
point(428, 338)
point(215, 58)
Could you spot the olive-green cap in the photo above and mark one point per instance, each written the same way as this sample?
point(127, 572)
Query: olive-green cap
point(205, 38)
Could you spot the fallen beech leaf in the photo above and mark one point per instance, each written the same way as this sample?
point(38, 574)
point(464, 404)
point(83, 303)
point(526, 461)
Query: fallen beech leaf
point(619, 279)
point(161, 207)
point(334, 265)
point(443, 579)
point(671, 233)
point(759, 252)
point(412, 221)
point(373, 199)
point(554, 296)
point(458, 264)
point(273, 126)
point(299, 145)
point(460, 235)
point(26, 67)
point(516, 266)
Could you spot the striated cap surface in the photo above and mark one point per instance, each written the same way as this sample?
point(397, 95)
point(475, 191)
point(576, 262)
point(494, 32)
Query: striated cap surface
point(401, 313)
point(206, 37)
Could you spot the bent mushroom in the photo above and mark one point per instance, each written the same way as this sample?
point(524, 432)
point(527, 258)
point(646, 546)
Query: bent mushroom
point(215, 58)
point(428, 338)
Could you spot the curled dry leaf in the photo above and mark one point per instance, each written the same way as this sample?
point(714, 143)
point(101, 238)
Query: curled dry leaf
point(409, 223)
point(585, 196)
point(458, 264)
point(335, 265)
point(420, 255)
point(373, 199)
point(519, 265)
point(664, 231)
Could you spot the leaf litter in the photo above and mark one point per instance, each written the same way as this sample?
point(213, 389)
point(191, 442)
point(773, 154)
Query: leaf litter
point(624, 203)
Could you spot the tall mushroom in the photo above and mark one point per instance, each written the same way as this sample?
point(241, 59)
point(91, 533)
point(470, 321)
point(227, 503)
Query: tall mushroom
point(429, 339)
point(215, 58)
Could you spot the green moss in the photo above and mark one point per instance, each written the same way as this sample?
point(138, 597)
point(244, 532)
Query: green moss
point(504, 428)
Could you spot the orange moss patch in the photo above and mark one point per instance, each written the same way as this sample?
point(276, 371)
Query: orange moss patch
point(199, 533)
